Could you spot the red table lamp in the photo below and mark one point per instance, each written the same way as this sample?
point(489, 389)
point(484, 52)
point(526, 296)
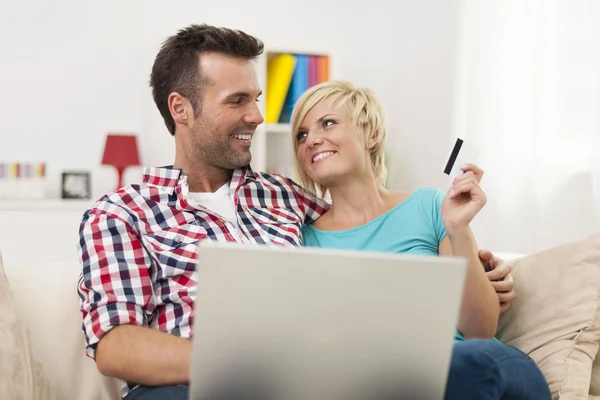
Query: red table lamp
point(121, 151)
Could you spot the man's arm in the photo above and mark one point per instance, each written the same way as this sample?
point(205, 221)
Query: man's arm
point(116, 294)
point(312, 206)
point(144, 356)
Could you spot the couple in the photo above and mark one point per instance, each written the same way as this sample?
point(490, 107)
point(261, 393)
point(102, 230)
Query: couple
point(138, 245)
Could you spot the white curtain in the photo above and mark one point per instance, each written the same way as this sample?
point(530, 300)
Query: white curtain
point(528, 96)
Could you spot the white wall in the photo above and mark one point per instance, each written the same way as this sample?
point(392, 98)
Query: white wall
point(73, 70)
point(528, 95)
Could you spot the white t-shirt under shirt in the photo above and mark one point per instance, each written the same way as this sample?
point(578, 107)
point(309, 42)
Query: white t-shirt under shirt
point(220, 202)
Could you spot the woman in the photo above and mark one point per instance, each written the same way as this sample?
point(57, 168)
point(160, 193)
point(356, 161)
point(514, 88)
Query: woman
point(339, 139)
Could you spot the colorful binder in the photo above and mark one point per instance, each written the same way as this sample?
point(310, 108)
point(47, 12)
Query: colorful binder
point(313, 71)
point(323, 67)
point(298, 86)
point(279, 75)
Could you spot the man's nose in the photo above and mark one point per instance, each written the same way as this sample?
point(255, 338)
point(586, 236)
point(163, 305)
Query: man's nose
point(254, 116)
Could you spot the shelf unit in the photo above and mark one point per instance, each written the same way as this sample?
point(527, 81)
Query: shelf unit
point(45, 205)
point(272, 149)
point(280, 128)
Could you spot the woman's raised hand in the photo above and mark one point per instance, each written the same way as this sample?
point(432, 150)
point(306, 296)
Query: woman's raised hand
point(464, 199)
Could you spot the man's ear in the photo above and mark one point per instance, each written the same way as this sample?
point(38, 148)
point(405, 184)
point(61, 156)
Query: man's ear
point(179, 108)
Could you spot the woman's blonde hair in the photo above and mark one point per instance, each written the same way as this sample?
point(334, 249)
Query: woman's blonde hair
point(366, 112)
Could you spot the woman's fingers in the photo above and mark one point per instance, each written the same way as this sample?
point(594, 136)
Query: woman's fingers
point(463, 187)
point(478, 172)
point(471, 187)
point(467, 176)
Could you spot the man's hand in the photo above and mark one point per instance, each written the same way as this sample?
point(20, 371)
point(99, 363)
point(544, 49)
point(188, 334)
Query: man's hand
point(499, 274)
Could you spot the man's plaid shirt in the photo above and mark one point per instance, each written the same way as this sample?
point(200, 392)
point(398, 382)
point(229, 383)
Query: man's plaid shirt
point(137, 246)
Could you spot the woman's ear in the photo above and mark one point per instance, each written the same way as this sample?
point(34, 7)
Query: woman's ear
point(372, 141)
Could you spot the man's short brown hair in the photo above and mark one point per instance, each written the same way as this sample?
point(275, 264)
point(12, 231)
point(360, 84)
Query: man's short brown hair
point(177, 64)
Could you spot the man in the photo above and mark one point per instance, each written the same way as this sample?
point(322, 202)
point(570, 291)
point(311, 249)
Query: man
point(138, 244)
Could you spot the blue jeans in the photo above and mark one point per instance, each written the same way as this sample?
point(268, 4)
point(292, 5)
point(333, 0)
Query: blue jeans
point(489, 370)
point(479, 370)
point(178, 392)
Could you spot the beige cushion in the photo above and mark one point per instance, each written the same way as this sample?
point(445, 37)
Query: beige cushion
point(46, 298)
point(556, 318)
point(595, 384)
point(21, 375)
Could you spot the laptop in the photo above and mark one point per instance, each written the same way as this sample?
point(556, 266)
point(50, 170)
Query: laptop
point(275, 323)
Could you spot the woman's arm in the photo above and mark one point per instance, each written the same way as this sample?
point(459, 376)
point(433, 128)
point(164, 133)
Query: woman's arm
point(480, 308)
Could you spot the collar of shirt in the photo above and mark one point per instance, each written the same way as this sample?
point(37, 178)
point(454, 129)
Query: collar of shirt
point(174, 181)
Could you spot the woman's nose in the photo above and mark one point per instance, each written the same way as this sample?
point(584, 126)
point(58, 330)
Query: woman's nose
point(314, 140)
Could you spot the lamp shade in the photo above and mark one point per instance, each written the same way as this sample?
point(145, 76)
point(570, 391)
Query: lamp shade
point(121, 151)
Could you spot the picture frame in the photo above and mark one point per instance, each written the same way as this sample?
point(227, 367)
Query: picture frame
point(76, 185)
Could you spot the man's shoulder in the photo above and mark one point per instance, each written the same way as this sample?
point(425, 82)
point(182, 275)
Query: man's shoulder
point(281, 190)
point(274, 179)
point(278, 184)
point(130, 201)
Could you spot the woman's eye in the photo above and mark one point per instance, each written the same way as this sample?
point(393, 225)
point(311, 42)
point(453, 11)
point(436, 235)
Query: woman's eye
point(328, 122)
point(300, 135)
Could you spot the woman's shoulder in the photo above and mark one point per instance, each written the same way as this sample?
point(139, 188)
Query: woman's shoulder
point(424, 200)
point(396, 198)
point(429, 194)
point(429, 191)
point(422, 194)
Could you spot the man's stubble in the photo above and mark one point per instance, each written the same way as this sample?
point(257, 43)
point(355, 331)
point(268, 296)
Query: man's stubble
point(212, 146)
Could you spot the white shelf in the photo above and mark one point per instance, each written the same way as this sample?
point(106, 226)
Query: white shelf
point(280, 129)
point(45, 205)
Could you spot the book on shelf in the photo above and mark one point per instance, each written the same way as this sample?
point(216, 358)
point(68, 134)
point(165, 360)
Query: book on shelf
point(289, 75)
point(20, 180)
point(280, 70)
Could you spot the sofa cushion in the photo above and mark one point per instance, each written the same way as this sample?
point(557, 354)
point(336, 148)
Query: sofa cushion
point(21, 374)
point(46, 298)
point(555, 318)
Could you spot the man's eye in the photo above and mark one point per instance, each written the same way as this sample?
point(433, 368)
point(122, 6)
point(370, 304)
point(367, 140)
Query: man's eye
point(237, 101)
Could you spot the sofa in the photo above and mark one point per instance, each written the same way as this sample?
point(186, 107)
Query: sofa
point(41, 336)
point(555, 319)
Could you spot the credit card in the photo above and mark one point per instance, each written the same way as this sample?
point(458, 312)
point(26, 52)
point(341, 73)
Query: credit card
point(462, 153)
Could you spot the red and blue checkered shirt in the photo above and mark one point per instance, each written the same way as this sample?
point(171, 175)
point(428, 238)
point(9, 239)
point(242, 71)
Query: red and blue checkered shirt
point(137, 246)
